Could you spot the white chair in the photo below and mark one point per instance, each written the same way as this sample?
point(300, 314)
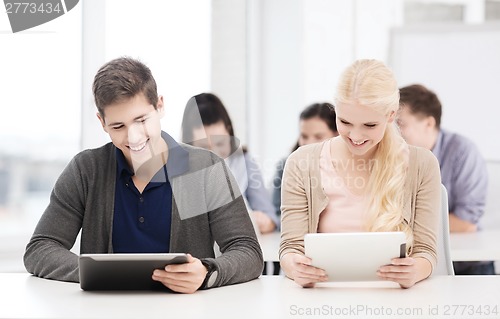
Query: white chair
point(444, 263)
point(491, 217)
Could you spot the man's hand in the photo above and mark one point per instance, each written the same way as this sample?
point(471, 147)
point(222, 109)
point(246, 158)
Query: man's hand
point(458, 225)
point(264, 222)
point(183, 278)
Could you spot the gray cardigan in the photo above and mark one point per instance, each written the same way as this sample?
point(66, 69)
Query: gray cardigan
point(207, 206)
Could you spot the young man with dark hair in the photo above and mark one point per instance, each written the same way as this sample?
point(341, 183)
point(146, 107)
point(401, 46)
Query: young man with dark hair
point(463, 170)
point(145, 193)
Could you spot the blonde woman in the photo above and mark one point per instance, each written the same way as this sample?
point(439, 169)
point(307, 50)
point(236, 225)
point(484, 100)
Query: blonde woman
point(366, 179)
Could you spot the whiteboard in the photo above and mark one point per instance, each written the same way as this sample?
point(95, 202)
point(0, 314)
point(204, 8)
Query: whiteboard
point(461, 64)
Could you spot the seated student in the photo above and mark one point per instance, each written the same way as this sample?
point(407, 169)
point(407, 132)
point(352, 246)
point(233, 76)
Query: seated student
point(317, 123)
point(366, 179)
point(463, 170)
point(206, 123)
point(144, 193)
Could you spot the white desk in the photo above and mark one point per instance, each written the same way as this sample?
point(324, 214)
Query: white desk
point(25, 296)
point(482, 245)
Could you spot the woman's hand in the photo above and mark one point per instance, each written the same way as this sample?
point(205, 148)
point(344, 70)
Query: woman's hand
point(298, 267)
point(405, 271)
point(184, 278)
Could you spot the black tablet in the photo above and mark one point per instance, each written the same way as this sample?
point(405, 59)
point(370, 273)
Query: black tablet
point(124, 271)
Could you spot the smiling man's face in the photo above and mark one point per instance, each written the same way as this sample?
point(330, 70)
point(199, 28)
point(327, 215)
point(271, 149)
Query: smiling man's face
point(134, 127)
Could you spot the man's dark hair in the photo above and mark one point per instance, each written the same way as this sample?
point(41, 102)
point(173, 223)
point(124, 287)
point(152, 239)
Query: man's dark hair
point(421, 102)
point(122, 79)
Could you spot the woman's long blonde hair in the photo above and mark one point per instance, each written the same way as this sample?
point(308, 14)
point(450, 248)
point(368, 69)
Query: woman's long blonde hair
point(370, 83)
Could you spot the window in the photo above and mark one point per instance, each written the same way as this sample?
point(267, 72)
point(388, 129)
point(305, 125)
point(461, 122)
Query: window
point(40, 123)
point(41, 101)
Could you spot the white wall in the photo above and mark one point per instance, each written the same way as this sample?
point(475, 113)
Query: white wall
point(304, 46)
point(172, 37)
point(461, 63)
point(267, 59)
point(229, 72)
point(280, 81)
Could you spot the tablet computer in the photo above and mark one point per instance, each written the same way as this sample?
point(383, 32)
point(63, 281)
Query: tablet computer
point(354, 256)
point(124, 271)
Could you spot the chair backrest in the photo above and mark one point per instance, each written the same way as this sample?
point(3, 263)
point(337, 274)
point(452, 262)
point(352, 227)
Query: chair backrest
point(491, 217)
point(444, 263)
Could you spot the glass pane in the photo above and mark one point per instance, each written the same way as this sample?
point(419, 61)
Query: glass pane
point(40, 123)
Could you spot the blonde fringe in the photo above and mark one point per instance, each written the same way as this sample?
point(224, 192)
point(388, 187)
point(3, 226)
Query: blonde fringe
point(386, 186)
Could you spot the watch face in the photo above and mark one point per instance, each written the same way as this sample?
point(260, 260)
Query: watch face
point(212, 279)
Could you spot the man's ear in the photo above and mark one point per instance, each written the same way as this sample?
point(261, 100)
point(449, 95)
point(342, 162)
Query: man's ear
point(102, 122)
point(160, 106)
point(430, 122)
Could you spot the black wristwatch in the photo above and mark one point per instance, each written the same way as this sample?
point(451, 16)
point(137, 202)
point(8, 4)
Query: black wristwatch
point(211, 276)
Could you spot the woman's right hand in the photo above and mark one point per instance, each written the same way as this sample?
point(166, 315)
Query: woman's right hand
point(298, 267)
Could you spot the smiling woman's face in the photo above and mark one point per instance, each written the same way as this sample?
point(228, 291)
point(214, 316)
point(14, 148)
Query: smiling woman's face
point(361, 127)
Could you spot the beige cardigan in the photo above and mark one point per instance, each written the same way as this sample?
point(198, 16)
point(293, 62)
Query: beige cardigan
point(303, 200)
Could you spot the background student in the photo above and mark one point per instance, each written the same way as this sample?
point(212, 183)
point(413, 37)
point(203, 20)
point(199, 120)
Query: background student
point(366, 179)
point(206, 123)
point(463, 169)
point(144, 193)
point(316, 124)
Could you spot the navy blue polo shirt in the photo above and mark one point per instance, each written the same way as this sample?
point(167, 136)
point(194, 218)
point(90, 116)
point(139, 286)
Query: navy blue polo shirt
point(141, 222)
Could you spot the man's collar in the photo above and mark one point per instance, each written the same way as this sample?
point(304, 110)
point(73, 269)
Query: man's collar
point(121, 163)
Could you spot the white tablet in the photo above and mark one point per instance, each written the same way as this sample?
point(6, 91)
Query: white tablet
point(123, 271)
point(354, 256)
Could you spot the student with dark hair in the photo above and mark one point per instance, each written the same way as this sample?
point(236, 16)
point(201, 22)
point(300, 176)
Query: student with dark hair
point(463, 169)
point(206, 123)
point(145, 193)
point(316, 124)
